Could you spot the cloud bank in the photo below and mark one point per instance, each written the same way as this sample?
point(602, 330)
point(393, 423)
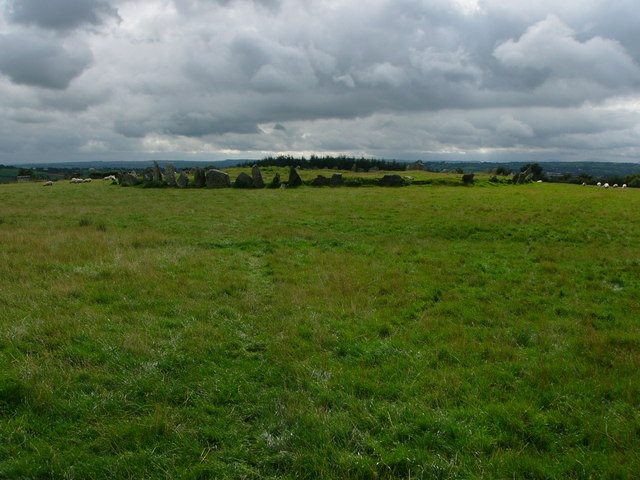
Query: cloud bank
point(214, 79)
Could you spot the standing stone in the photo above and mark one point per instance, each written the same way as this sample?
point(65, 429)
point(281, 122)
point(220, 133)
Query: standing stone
point(276, 182)
point(217, 179)
point(336, 180)
point(128, 179)
point(294, 178)
point(170, 175)
point(157, 174)
point(243, 181)
point(182, 181)
point(147, 175)
point(258, 182)
point(199, 179)
point(374, 169)
point(467, 178)
point(391, 180)
point(354, 168)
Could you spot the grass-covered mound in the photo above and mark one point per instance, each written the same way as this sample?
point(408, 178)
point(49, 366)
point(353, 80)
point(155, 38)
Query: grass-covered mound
point(422, 332)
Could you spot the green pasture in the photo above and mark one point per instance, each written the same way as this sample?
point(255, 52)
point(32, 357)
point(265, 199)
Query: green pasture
point(428, 331)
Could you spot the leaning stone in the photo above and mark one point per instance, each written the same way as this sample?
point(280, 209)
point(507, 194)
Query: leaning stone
point(276, 182)
point(391, 180)
point(217, 179)
point(157, 174)
point(336, 180)
point(182, 180)
point(258, 182)
point(243, 181)
point(170, 174)
point(294, 178)
point(199, 179)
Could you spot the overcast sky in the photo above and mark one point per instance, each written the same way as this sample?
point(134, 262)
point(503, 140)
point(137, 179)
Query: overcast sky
point(408, 79)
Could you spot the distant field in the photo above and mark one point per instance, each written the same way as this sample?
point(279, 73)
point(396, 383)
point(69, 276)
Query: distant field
point(417, 332)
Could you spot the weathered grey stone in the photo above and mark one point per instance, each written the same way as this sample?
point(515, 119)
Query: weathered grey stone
point(321, 181)
point(128, 179)
point(374, 169)
point(199, 179)
point(276, 182)
point(243, 181)
point(147, 175)
point(258, 182)
point(182, 180)
point(170, 174)
point(354, 168)
point(217, 179)
point(336, 180)
point(157, 174)
point(294, 178)
point(360, 170)
point(391, 180)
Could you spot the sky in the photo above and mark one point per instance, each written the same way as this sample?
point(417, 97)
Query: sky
point(206, 80)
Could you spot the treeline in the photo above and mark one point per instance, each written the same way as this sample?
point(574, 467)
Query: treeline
point(341, 162)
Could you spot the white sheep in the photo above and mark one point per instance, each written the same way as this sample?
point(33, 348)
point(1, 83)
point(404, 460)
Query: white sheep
point(606, 185)
point(48, 184)
point(599, 184)
point(584, 184)
point(86, 180)
point(110, 177)
point(624, 185)
point(615, 185)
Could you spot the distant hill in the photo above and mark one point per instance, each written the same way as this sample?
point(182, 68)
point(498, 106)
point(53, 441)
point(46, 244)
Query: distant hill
point(131, 165)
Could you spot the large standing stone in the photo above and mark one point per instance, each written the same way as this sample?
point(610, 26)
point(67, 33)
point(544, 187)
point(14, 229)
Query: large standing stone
point(243, 181)
point(170, 174)
point(467, 178)
point(354, 167)
point(276, 182)
point(157, 174)
point(336, 180)
point(182, 181)
point(294, 178)
point(258, 182)
point(217, 179)
point(199, 179)
point(417, 165)
point(391, 180)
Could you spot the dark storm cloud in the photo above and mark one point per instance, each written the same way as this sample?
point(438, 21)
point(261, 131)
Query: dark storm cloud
point(60, 14)
point(41, 62)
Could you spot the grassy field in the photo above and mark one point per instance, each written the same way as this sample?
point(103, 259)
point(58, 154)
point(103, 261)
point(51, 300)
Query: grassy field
point(420, 332)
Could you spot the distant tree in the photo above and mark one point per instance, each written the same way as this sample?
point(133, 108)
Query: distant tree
point(632, 180)
point(501, 170)
point(27, 172)
point(536, 170)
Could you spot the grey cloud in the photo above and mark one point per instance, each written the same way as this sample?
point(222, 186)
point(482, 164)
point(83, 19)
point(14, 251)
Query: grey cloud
point(548, 49)
point(35, 61)
point(61, 14)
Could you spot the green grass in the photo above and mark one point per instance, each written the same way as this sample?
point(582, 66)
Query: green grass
point(417, 332)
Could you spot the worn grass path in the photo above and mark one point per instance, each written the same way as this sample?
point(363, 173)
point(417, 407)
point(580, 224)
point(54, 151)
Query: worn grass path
point(421, 332)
